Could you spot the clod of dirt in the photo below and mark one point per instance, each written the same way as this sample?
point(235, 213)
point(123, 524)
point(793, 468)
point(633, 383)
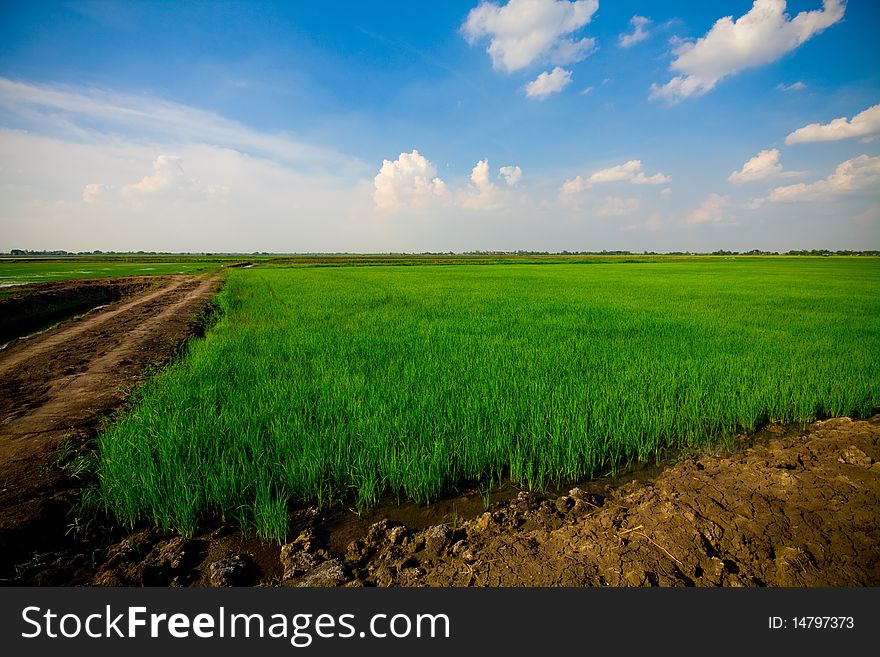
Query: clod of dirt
point(297, 561)
point(329, 573)
point(854, 456)
point(233, 571)
point(437, 538)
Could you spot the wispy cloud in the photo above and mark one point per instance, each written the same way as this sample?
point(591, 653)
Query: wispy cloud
point(711, 211)
point(639, 33)
point(81, 112)
point(794, 86)
point(615, 206)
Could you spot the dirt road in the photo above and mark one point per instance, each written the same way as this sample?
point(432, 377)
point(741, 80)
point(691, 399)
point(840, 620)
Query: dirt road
point(57, 386)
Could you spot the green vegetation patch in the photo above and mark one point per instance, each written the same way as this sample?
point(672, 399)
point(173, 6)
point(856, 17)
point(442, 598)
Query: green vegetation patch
point(17, 272)
point(319, 384)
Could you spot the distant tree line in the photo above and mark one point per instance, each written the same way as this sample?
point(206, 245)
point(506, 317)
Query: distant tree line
point(720, 252)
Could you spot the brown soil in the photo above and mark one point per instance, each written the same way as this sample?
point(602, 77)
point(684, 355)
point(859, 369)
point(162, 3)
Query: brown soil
point(56, 388)
point(785, 508)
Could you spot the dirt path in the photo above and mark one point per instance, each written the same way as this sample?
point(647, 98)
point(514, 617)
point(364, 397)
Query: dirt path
point(14, 357)
point(57, 386)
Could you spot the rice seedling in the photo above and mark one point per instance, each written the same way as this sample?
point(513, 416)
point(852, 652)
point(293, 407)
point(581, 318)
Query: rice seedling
point(349, 383)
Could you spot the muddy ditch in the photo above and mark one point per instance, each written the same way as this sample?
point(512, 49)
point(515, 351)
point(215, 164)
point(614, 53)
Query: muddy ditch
point(34, 307)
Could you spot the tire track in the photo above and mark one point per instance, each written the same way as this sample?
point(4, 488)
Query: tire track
point(101, 375)
point(40, 344)
point(60, 387)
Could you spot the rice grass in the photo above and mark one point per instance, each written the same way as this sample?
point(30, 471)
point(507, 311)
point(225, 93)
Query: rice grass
point(345, 383)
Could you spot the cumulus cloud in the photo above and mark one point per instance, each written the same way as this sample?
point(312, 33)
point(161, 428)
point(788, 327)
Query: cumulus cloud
point(859, 174)
point(409, 181)
point(548, 83)
point(639, 33)
point(764, 166)
point(167, 173)
point(865, 124)
point(511, 175)
point(665, 193)
point(94, 192)
point(761, 36)
point(794, 86)
point(630, 172)
point(614, 206)
point(168, 180)
point(711, 211)
point(525, 31)
point(573, 186)
point(482, 191)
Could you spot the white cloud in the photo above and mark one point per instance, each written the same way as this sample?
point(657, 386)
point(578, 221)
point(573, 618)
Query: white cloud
point(525, 31)
point(764, 166)
point(167, 172)
point(72, 111)
point(761, 36)
point(864, 124)
point(630, 172)
point(639, 23)
point(859, 174)
point(573, 186)
point(93, 192)
point(511, 175)
point(794, 86)
point(168, 181)
point(711, 211)
point(665, 193)
point(409, 181)
point(268, 206)
point(548, 83)
point(482, 192)
point(169, 176)
point(614, 206)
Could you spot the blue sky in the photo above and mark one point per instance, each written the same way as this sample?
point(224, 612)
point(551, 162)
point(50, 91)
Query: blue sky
point(401, 126)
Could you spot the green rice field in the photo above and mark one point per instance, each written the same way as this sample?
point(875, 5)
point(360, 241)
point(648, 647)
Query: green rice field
point(350, 383)
point(17, 272)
